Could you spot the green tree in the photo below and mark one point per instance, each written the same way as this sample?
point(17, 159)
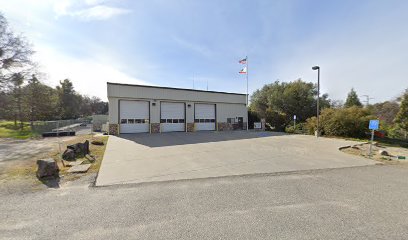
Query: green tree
point(98, 106)
point(68, 100)
point(402, 116)
point(385, 111)
point(278, 102)
point(40, 100)
point(352, 99)
point(18, 80)
point(6, 105)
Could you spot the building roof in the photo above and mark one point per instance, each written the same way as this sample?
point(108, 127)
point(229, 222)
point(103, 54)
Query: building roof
point(171, 88)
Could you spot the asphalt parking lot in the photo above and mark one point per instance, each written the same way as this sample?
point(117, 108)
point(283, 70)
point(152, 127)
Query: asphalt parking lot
point(366, 202)
point(138, 158)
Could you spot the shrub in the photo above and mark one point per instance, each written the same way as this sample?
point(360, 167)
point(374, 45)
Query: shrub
point(300, 129)
point(344, 122)
point(276, 120)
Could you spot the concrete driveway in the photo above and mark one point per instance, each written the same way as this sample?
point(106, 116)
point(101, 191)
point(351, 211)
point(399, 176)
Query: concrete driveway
point(137, 158)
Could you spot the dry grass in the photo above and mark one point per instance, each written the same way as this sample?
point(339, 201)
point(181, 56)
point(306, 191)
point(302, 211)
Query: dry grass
point(96, 150)
point(363, 150)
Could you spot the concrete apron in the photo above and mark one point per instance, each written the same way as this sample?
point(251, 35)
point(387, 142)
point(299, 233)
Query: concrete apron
point(127, 161)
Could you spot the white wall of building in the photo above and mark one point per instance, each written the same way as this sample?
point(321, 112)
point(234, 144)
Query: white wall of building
point(228, 105)
point(228, 110)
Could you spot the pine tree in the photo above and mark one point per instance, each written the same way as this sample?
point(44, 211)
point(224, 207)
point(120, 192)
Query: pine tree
point(352, 99)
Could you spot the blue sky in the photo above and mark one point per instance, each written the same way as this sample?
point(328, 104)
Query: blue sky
point(360, 44)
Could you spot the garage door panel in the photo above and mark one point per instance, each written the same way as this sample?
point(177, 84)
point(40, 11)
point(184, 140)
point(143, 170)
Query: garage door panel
point(204, 118)
point(134, 116)
point(172, 117)
point(205, 111)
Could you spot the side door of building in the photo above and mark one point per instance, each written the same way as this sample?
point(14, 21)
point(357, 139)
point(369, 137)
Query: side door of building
point(240, 122)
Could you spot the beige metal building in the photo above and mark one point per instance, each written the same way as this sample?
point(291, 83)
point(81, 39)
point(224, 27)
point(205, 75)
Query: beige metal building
point(139, 108)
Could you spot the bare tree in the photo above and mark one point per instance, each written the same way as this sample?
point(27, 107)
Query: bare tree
point(15, 54)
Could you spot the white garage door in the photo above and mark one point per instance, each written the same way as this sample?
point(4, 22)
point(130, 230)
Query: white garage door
point(204, 117)
point(134, 116)
point(172, 117)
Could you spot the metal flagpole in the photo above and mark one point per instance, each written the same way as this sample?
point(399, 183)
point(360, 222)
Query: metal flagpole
point(247, 93)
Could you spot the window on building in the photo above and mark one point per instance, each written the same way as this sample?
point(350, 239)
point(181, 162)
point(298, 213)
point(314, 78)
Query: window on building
point(131, 121)
point(230, 120)
point(123, 121)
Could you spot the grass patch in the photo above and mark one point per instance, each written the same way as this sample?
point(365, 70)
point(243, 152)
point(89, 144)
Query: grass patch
point(9, 130)
point(387, 142)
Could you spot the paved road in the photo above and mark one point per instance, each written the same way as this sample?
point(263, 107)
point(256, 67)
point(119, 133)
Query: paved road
point(351, 203)
point(135, 158)
point(84, 130)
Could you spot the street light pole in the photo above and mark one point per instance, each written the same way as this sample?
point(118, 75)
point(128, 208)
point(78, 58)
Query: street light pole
point(318, 97)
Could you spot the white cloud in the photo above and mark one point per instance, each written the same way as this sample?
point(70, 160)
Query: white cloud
point(61, 7)
point(87, 10)
point(88, 75)
point(93, 2)
point(99, 12)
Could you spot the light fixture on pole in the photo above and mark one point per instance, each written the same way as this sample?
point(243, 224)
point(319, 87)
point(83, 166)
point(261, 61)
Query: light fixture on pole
point(318, 97)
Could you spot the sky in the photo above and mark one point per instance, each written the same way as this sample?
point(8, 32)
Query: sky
point(189, 43)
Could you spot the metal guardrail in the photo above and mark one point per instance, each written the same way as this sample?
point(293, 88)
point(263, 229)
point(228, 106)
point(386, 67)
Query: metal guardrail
point(41, 127)
point(72, 127)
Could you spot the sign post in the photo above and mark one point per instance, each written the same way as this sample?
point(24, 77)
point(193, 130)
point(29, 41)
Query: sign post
point(373, 125)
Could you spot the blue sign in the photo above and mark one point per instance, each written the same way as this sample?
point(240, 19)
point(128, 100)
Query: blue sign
point(374, 124)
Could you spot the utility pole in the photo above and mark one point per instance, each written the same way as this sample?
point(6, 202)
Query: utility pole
point(367, 101)
point(318, 98)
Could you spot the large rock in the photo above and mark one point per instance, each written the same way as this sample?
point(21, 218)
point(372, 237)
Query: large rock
point(383, 153)
point(80, 148)
point(68, 155)
point(47, 167)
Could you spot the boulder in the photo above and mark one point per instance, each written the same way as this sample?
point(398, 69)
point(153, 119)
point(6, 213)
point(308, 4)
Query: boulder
point(80, 148)
point(68, 155)
point(383, 153)
point(47, 167)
